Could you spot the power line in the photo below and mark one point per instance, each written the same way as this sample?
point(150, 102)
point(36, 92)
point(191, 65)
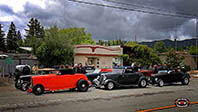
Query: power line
point(147, 7)
point(135, 10)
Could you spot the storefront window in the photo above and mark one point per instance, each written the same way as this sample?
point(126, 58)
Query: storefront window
point(116, 62)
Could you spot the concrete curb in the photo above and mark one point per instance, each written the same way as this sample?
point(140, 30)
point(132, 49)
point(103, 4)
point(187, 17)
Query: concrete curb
point(5, 81)
point(194, 76)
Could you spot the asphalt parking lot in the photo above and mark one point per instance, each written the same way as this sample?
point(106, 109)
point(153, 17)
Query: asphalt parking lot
point(123, 99)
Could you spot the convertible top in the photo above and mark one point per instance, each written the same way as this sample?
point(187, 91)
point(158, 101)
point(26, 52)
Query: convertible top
point(66, 71)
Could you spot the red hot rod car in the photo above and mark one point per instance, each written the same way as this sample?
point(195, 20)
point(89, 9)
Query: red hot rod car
point(59, 80)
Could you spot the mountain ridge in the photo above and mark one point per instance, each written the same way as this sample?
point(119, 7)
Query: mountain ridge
point(171, 43)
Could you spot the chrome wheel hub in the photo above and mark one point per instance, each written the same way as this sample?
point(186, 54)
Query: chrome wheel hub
point(83, 85)
point(161, 83)
point(186, 80)
point(143, 83)
point(24, 86)
point(38, 89)
point(110, 85)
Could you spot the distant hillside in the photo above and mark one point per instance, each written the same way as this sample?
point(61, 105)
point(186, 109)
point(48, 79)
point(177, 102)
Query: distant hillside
point(187, 42)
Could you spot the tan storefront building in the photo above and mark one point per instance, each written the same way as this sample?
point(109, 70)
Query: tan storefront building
point(98, 56)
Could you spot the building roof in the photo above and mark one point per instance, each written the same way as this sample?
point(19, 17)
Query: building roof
point(112, 48)
point(26, 48)
point(97, 50)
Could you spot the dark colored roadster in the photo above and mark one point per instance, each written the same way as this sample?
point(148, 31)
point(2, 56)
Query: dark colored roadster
point(120, 78)
point(170, 76)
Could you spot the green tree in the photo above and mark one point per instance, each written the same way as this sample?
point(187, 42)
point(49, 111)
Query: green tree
point(20, 40)
point(34, 43)
point(19, 37)
point(2, 39)
point(131, 43)
point(109, 43)
point(12, 39)
point(55, 49)
point(115, 42)
point(101, 42)
point(183, 48)
point(77, 36)
point(34, 34)
point(159, 47)
point(173, 60)
point(142, 54)
point(35, 29)
point(192, 50)
point(120, 42)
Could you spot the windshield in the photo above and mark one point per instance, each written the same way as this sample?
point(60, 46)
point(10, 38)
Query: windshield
point(117, 70)
point(97, 71)
point(162, 71)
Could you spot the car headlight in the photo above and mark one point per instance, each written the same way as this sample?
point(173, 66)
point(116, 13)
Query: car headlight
point(104, 77)
point(156, 79)
point(96, 82)
point(97, 77)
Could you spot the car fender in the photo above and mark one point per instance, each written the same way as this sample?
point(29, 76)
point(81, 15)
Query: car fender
point(108, 80)
point(83, 79)
point(186, 75)
point(39, 85)
point(142, 77)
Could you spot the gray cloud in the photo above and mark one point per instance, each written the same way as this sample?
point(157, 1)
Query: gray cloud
point(6, 9)
point(108, 24)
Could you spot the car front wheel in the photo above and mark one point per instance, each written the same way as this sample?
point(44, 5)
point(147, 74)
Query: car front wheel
point(25, 86)
point(185, 81)
point(38, 89)
point(17, 84)
point(110, 85)
point(82, 85)
point(160, 83)
point(142, 83)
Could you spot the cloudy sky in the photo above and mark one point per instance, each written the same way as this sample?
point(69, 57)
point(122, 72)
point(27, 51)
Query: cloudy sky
point(106, 23)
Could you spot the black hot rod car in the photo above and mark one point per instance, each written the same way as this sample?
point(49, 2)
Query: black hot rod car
point(170, 76)
point(120, 78)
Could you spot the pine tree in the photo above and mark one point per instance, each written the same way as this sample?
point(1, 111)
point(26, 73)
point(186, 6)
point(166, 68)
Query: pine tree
point(114, 42)
point(19, 37)
point(101, 42)
point(34, 29)
point(110, 43)
point(12, 38)
point(2, 39)
point(120, 42)
point(20, 40)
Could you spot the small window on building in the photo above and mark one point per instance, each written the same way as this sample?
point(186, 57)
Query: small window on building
point(116, 62)
point(98, 63)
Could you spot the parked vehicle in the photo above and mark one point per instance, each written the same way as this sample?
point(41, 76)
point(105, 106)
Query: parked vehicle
point(96, 73)
point(147, 73)
point(170, 76)
point(59, 80)
point(120, 78)
point(21, 70)
point(23, 81)
point(89, 69)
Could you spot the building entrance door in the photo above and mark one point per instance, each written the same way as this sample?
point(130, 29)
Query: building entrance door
point(92, 61)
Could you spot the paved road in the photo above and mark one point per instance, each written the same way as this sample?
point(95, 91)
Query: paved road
point(99, 100)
